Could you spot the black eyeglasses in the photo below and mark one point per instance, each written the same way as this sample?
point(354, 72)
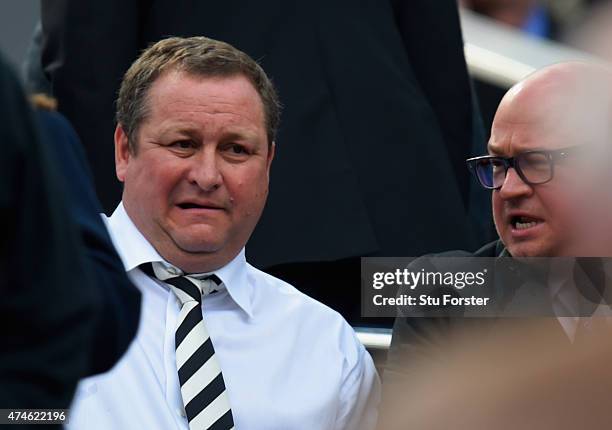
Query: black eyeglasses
point(533, 167)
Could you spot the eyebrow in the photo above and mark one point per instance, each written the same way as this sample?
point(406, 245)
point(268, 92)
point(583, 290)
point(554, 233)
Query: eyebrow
point(493, 150)
point(178, 128)
point(496, 153)
point(240, 135)
point(231, 133)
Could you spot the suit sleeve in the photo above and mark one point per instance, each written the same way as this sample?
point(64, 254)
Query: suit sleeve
point(48, 307)
point(119, 299)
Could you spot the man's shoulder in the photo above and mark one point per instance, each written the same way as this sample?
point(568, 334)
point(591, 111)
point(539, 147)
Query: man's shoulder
point(491, 249)
point(283, 292)
point(300, 309)
point(459, 257)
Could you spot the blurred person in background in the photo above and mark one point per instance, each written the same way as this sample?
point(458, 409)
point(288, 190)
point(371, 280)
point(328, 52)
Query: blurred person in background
point(548, 172)
point(591, 32)
point(58, 273)
point(558, 20)
point(377, 100)
point(531, 16)
point(34, 78)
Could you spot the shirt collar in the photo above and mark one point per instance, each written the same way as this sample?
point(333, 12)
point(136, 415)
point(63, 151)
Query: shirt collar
point(135, 250)
point(560, 274)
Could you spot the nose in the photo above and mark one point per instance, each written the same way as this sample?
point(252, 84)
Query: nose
point(514, 186)
point(204, 171)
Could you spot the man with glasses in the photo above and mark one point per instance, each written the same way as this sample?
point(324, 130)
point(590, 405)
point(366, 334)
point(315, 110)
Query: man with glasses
point(548, 174)
point(548, 135)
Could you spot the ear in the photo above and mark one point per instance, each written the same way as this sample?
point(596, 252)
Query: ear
point(122, 153)
point(271, 152)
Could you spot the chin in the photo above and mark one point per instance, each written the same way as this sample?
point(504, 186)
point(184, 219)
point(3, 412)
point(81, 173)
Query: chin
point(206, 245)
point(200, 247)
point(527, 249)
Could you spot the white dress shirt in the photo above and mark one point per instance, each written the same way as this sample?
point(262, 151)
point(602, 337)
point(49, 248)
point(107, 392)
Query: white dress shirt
point(288, 361)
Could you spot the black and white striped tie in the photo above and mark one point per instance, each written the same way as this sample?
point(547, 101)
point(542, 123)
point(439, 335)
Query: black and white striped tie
point(202, 387)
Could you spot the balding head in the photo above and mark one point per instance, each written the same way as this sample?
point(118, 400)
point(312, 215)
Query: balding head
point(564, 106)
point(569, 100)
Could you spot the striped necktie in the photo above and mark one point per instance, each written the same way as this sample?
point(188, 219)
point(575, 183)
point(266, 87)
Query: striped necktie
point(202, 386)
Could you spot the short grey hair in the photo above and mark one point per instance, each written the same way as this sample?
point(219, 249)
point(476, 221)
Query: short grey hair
point(198, 56)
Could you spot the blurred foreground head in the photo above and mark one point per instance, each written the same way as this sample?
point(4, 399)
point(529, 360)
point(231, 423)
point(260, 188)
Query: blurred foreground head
point(522, 375)
point(549, 163)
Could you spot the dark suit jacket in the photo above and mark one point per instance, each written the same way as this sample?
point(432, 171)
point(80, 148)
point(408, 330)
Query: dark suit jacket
point(413, 335)
point(118, 299)
point(378, 117)
point(48, 308)
point(61, 280)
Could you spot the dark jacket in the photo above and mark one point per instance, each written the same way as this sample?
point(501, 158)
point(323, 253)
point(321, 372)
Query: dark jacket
point(119, 300)
point(67, 309)
point(49, 306)
point(378, 119)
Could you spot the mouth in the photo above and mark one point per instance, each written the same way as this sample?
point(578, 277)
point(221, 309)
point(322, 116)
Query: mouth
point(199, 206)
point(523, 223)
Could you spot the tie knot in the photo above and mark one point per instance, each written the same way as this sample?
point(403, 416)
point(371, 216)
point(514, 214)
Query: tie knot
point(187, 287)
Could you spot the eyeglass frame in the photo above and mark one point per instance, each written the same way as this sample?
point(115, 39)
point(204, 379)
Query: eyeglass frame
point(511, 162)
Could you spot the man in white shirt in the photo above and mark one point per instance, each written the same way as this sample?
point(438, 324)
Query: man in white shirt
point(221, 344)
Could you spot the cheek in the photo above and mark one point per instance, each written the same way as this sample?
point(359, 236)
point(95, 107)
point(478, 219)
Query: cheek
point(568, 196)
point(248, 189)
point(559, 208)
point(498, 213)
point(154, 181)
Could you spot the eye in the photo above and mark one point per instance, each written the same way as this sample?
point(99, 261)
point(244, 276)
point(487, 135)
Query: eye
point(237, 149)
point(183, 144)
point(237, 152)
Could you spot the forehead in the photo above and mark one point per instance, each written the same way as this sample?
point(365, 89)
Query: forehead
point(229, 100)
point(550, 113)
point(520, 127)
